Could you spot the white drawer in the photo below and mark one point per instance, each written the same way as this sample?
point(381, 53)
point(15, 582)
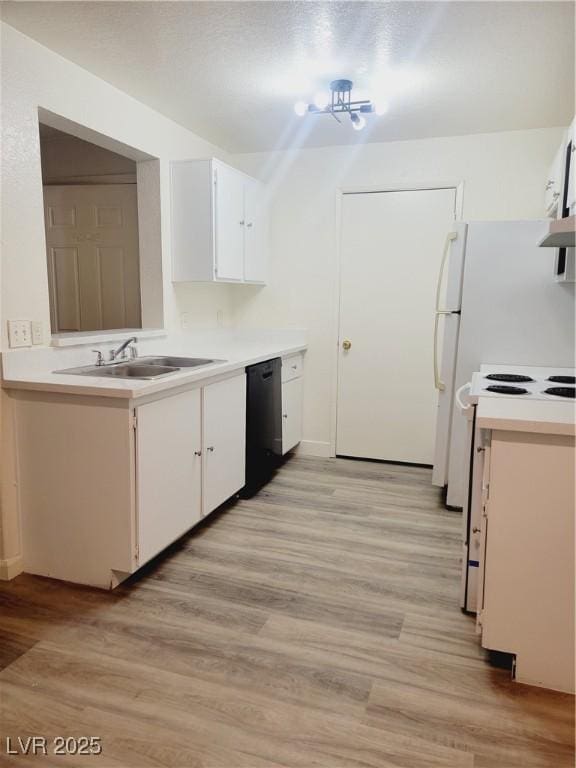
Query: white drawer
point(292, 367)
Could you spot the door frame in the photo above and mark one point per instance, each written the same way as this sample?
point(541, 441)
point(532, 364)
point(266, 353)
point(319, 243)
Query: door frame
point(458, 186)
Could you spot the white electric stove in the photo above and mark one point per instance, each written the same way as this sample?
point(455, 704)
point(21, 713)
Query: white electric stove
point(523, 381)
point(504, 381)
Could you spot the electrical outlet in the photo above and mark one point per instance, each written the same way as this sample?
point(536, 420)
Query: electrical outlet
point(37, 332)
point(19, 334)
point(219, 318)
point(184, 320)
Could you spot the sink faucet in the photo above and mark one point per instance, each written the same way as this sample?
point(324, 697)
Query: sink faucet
point(114, 353)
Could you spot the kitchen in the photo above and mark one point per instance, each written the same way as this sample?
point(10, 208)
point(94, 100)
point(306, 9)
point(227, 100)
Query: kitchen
point(317, 621)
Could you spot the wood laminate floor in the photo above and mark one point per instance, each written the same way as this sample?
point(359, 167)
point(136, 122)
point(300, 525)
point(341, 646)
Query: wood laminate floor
point(313, 626)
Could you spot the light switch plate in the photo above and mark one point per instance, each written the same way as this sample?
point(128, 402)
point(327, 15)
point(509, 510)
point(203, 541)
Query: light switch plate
point(19, 333)
point(37, 331)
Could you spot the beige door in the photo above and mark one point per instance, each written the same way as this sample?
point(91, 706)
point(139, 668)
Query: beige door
point(391, 244)
point(93, 260)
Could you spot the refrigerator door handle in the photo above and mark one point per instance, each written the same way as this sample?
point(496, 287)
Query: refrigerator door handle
point(450, 237)
point(438, 383)
point(464, 388)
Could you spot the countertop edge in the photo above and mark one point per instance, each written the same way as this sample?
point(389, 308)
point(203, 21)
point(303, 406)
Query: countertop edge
point(145, 388)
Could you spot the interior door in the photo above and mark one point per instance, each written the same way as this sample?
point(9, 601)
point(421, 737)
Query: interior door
point(391, 248)
point(168, 470)
point(224, 441)
point(255, 235)
point(229, 223)
point(93, 258)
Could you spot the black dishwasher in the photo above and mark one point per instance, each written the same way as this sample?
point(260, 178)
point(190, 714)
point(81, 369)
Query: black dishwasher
point(263, 423)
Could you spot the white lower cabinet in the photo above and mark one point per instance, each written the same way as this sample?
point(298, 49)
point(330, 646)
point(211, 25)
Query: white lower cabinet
point(190, 458)
point(291, 402)
point(168, 470)
point(224, 441)
point(526, 590)
point(107, 484)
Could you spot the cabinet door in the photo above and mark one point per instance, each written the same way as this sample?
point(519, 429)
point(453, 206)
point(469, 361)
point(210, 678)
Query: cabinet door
point(571, 181)
point(291, 414)
point(256, 232)
point(229, 223)
point(168, 470)
point(224, 440)
point(554, 181)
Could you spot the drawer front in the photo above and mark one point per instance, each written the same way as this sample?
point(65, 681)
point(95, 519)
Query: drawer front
point(292, 367)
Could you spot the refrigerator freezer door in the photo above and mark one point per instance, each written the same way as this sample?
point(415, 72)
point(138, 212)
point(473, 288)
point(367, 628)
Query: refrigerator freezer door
point(445, 400)
point(512, 313)
point(447, 325)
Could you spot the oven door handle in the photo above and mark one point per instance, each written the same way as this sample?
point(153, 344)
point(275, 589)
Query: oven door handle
point(461, 404)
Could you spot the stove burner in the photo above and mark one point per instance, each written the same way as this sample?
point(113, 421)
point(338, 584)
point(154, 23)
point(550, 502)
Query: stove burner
point(502, 389)
point(562, 379)
point(515, 378)
point(561, 391)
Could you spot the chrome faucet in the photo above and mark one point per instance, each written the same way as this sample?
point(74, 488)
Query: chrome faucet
point(131, 342)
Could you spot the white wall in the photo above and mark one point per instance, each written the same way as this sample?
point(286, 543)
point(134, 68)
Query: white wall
point(33, 77)
point(66, 158)
point(503, 174)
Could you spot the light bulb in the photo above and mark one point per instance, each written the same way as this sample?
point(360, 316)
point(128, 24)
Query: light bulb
point(322, 99)
point(380, 107)
point(358, 122)
point(300, 108)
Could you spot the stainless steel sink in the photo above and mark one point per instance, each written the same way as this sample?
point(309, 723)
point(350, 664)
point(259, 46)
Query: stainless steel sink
point(123, 371)
point(178, 362)
point(134, 371)
point(141, 368)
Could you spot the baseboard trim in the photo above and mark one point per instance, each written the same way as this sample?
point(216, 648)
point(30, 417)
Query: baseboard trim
point(314, 448)
point(10, 567)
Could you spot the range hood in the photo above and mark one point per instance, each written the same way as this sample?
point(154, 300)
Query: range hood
point(561, 234)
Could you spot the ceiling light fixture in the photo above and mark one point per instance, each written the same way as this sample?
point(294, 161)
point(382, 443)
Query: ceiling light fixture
point(339, 101)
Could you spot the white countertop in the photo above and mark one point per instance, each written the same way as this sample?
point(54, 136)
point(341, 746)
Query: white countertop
point(515, 414)
point(35, 369)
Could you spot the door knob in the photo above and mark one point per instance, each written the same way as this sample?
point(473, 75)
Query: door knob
point(346, 344)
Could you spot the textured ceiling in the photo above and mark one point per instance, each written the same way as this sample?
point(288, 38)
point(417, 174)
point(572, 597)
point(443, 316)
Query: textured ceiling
point(231, 71)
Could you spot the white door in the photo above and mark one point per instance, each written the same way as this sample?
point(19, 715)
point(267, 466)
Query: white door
point(391, 246)
point(168, 470)
point(291, 414)
point(256, 236)
point(224, 441)
point(229, 223)
point(93, 259)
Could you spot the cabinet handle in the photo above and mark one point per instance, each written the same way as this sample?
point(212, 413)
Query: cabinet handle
point(550, 184)
point(284, 415)
point(249, 225)
point(197, 453)
point(476, 530)
point(210, 448)
point(294, 367)
point(242, 223)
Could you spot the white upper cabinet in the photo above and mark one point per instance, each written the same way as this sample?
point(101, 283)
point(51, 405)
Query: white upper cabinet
point(219, 224)
point(256, 232)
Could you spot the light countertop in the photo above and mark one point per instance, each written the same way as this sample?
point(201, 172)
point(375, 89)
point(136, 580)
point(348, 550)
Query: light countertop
point(514, 414)
point(35, 369)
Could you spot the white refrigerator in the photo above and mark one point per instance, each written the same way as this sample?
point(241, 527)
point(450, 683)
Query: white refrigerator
point(497, 301)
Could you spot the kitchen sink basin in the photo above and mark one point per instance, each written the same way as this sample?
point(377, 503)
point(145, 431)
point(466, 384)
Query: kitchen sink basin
point(141, 368)
point(178, 362)
point(134, 371)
